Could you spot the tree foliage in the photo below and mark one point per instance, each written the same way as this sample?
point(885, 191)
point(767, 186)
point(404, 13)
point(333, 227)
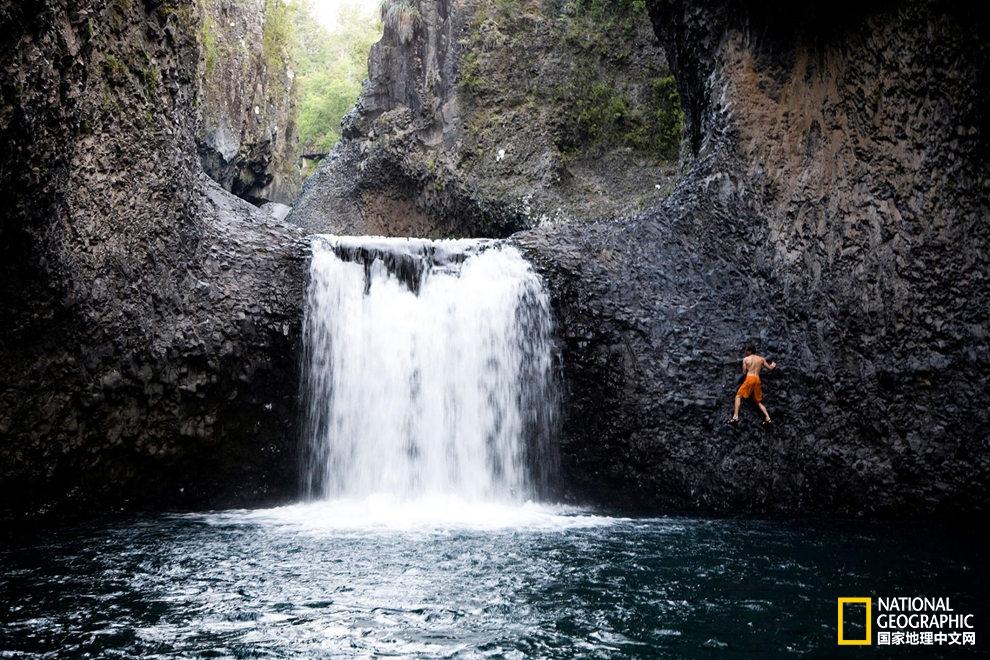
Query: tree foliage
point(332, 64)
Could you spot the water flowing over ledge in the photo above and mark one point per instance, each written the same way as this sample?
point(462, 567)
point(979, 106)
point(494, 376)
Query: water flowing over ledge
point(427, 374)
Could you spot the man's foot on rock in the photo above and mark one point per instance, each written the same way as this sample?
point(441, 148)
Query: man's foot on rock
point(767, 422)
point(734, 420)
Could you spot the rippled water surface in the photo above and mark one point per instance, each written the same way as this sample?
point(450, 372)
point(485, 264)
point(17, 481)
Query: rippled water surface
point(442, 578)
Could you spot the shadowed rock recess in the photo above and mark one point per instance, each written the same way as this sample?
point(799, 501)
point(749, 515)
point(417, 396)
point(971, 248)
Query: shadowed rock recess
point(150, 319)
point(837, 212)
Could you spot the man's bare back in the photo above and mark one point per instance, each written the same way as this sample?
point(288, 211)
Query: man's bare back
point(752, 365)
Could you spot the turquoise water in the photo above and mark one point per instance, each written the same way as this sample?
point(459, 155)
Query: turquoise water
point(311, 581)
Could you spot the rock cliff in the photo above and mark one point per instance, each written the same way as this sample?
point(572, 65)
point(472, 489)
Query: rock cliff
point(246, 134)
point(482, 117)
point(835, 212)
point(148, 340)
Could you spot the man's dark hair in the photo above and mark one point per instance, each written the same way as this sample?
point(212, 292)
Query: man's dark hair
point(749, 349)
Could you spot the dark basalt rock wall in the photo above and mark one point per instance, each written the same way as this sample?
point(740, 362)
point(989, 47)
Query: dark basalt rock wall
point(377, 180)
point(836, 212)
point(151, 320)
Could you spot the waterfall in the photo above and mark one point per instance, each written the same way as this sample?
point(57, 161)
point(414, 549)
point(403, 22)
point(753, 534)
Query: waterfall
point(427, 371)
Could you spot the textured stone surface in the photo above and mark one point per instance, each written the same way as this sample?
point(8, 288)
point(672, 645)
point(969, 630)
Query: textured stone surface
point(246, 135)
point(836, 211)
point(462, 128)
point(151, 319)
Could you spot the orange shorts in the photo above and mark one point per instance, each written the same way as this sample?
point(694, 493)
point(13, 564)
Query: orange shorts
point(751, 387)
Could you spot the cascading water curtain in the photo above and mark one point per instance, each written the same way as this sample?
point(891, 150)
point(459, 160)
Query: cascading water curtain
point(428, 371)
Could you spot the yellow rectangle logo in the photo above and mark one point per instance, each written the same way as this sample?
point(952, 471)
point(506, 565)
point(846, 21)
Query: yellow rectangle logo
point(868, 602)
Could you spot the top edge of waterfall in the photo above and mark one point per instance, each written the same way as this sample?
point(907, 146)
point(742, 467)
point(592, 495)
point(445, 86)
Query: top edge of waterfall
point(404, 243)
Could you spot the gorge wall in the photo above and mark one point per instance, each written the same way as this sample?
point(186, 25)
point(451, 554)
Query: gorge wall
point(151, 319)
point(247, 134)
point(482, 117)
point(835, 212)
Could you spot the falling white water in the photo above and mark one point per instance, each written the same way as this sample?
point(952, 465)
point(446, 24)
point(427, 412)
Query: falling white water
point(427, 371)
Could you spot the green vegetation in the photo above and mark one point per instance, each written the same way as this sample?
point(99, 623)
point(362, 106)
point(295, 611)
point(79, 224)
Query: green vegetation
point(667, 118)
point(186, 14)
point(331, 68)
point(114, 69)
point(509, 7)
point(604, 8)
point(603, 110)
point(601, 113)
point(278, 39)
point(151, 77)
point(597, 99)
point(606, 27)
point(208, 38)
point(470, 79)
point(402, 17)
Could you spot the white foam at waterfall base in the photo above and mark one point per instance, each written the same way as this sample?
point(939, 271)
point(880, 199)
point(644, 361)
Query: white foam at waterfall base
point(428, 386)
point(430, 514)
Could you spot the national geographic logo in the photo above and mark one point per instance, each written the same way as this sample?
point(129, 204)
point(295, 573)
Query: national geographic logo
point(902, 621)
point(868, 634)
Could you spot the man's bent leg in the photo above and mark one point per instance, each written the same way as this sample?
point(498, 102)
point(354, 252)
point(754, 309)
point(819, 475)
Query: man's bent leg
point(735, 410)
point(763, 409)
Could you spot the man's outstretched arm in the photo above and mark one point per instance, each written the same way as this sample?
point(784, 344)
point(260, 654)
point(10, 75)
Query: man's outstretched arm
point(769, 365)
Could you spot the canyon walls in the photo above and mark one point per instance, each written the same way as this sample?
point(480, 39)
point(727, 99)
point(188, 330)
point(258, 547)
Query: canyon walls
point(483, 117)
point(832, 208)
point(835, 213)
point(247, 134)
point(151, 319)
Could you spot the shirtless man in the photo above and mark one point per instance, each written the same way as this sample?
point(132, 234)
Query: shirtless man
point(752, 364)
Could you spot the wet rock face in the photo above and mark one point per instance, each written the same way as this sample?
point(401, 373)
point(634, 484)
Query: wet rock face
point(481, 118)
point(246, 135)
point(836, 214)
point(151, 319)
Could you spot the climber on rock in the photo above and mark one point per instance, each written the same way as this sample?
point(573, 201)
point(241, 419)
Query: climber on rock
point(752, 364)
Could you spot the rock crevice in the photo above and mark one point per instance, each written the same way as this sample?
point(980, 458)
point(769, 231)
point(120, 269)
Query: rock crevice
point(246, 135)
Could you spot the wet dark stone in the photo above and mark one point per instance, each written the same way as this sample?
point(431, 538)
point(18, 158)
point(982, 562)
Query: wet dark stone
point(408, 260)
point(833, 209)
point(857, 259)
point(149, 338)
